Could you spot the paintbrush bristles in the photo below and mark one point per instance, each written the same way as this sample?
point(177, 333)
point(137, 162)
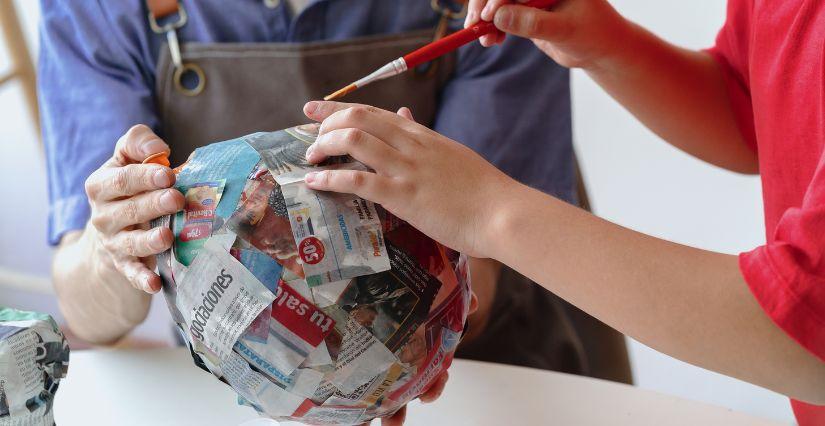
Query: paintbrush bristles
point(342, 92)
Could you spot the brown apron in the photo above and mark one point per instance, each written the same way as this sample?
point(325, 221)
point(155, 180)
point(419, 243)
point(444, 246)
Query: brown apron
point(238, 89)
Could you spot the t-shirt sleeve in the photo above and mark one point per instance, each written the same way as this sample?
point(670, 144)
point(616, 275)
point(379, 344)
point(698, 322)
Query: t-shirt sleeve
point(92, 88)
point(731, 53)
point(787, 275)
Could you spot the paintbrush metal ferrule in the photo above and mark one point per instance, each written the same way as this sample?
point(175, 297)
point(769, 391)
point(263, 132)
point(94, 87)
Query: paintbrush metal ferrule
point(391, 69)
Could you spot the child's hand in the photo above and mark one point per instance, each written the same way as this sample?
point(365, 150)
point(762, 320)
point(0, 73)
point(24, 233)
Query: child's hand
point(575, 33)
point(438, 185)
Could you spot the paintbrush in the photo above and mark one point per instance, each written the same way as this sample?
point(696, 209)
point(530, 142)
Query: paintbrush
point(430, 52)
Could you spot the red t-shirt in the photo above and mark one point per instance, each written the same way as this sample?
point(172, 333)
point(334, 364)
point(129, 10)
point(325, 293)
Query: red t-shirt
point(773, 57)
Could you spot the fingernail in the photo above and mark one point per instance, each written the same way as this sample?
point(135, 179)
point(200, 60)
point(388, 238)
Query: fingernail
point(311, 107)
point(161, 179)
point(504, 19)
point(167, 200)
point(157, 238)
point(144, 283)
point(310, 150)
point(153, 146)
point(310, 177)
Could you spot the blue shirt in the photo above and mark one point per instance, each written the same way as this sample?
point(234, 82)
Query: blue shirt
point(97, 77)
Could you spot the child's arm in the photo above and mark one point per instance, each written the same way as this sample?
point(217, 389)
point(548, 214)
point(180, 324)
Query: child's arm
point(686, 302)
point(678, 93)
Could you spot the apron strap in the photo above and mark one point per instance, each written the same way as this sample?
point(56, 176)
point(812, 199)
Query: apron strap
point(159, 9)
point(162, 8)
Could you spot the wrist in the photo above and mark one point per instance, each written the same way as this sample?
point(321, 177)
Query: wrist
point(97, 301)
point(502, 219)
point(620, 44)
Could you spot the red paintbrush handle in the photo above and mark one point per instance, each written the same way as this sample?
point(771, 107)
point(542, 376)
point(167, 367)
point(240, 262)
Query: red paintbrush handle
point(448, 44)
point(460, 38)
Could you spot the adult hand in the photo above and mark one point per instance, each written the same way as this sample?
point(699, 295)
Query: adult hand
point(438, 185)
point(575, 33)
point(124, 196)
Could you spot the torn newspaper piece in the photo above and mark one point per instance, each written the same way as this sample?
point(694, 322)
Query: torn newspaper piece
point(296, 328)
point(338, 236)
point(195, 222)
point(221, 298)
point(361, 358)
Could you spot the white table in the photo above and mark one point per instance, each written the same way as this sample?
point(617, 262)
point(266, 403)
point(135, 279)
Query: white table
point(163, 387)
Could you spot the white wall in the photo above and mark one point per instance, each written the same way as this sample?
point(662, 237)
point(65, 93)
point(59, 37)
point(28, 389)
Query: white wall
point(634, 178)
point(640, 182)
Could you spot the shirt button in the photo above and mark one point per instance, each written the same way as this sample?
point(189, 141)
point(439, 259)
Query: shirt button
point(272, 4)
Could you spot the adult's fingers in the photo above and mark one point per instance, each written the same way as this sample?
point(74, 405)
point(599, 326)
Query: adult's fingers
point(117, 215)
point(357, 143)
point(435, 389)
point(136, 145)
point(363, 184)
point(396, 419)
point(117, 182)
point(531, 23)
point(141, 243)
point(139, 275)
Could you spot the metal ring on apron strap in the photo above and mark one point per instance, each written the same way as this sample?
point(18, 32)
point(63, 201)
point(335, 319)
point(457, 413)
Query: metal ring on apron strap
point(181, 71)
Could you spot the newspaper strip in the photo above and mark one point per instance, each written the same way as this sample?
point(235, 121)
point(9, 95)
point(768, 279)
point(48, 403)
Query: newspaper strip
point(296, 328)
point(255, 388)
point(439, 361)
point(361, 358)
point(431, 348)
point(261, 220)
point(429, 256)
point(371, 393)
point(319, 357)
point(281, 151)
point(221, 298)
point(43, 415)
point(338, 235)
point(231, 161)
point(325, 295)
point(325, 390)
point(263, 267)
point(285, 151)
point(194, 224)
point(392, 304)
point(334, 415)
point(310, 413)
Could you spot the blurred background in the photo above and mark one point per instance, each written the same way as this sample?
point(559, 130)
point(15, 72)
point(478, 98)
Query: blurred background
point(634, 179)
